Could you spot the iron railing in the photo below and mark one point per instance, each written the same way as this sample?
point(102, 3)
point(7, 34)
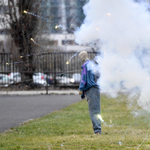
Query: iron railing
point(50, 69)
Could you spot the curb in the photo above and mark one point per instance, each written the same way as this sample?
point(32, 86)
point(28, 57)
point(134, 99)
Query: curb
point(71, 92)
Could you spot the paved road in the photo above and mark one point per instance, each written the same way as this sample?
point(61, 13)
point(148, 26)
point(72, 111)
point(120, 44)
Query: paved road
point(15, 110)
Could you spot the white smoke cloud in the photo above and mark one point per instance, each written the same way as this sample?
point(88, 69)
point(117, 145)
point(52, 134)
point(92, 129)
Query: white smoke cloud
point(122, 28)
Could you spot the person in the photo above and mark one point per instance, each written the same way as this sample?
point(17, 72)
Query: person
point(89, 88)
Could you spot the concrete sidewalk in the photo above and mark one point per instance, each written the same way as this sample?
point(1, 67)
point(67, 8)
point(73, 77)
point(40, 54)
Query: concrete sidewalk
point(51, 92)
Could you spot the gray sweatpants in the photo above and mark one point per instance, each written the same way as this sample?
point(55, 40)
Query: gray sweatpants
point(93, 98)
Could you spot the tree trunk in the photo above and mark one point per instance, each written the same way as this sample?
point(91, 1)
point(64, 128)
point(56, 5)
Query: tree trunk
point(23, 26)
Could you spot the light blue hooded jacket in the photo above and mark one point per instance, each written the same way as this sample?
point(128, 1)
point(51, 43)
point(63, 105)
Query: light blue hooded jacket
point(87, 78)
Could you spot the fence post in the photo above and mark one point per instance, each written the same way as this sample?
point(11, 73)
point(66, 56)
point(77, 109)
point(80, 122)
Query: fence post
point(46, 84)
point(54, 69)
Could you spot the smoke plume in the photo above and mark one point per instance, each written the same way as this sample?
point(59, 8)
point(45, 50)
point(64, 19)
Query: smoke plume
point(122, 31)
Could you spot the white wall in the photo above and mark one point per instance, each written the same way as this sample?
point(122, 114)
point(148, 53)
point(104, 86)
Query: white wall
point(65, 37)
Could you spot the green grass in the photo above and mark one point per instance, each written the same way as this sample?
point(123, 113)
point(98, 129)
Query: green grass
point(71, 128)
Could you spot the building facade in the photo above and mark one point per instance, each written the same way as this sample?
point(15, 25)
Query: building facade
point(60, 19)
point(62, 15)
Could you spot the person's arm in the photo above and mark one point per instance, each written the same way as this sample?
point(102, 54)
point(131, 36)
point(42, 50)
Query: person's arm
point(83, 78)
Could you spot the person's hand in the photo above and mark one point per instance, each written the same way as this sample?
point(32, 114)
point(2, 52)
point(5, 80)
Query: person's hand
point(80, 92)
point(82, 96)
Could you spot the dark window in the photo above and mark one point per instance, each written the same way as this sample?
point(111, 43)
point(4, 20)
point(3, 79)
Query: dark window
point(68, 42)
point(4, 9)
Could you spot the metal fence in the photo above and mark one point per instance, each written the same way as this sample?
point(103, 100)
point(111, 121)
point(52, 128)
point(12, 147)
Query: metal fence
point(50, 69)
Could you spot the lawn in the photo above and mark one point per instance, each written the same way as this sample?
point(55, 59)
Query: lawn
point(71, 129)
